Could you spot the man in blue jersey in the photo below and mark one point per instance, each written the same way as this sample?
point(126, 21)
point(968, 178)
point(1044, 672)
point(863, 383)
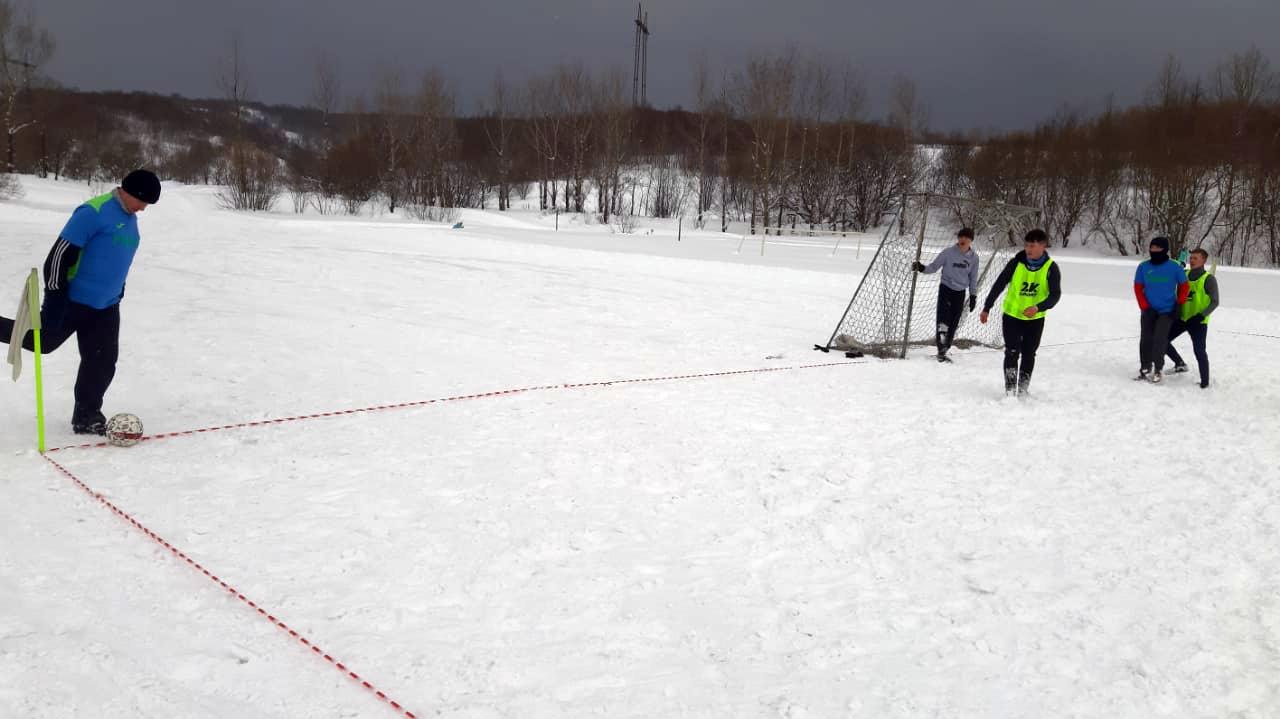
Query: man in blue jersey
point(1161, 287)
point(84, 278)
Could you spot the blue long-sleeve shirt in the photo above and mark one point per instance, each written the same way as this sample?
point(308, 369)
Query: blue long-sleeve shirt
point(106, 238)
point(1161, 287)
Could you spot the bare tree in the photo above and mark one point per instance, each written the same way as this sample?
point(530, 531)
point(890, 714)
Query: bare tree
point(24, 48)
point(252, 175)
point(546, 123)
point(498, 127)
point(909, 115)
point(666, 188)
point(613, 129)
point(395, 129)
point(907, 112)
point(233, 82)
point(816, 183)
point(1241, 84)
point(308, 180)
point(726, 112)
point(704, 93)
point(326, 92)
point(853, 101)
point(573, 87)
point(1172, 88)
point(762, 95)
point(1063, 174)
point(1245, 78)
point(436, 185)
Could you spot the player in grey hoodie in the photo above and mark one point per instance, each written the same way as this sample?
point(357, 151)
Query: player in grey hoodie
point(959, 265)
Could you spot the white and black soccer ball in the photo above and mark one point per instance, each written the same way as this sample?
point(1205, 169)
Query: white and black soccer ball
point(124, 430)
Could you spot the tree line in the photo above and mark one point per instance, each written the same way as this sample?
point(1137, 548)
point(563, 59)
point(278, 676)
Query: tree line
point(783, 141)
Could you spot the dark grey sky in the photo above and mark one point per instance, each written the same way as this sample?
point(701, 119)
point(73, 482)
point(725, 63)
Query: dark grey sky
point(978, 63)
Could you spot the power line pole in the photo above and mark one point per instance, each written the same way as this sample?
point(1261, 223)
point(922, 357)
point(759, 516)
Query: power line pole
point(644, 65)
point(640, 60)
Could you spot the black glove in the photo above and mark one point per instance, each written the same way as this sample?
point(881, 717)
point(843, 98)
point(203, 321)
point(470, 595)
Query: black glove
point(54, 311)
point(917, 266)
point(1196, 319)
point(973, 302)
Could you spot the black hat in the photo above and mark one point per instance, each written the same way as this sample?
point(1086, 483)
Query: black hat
point(1161, 242)
point(143, 185)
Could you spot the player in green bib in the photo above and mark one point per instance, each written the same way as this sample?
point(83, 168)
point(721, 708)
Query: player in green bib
point(1035, 285)
point(1193, 317)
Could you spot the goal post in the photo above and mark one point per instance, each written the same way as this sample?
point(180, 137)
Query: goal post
point(893, 307)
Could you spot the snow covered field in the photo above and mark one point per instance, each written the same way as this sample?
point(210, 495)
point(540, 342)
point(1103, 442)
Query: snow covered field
point(870, 539)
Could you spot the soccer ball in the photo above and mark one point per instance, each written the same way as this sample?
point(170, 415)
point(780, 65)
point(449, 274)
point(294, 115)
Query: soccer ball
point(124, 430)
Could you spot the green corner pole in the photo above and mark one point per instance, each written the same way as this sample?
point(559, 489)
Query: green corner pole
point(33, 306)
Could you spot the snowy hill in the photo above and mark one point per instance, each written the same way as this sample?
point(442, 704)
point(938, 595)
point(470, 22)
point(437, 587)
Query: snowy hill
point(861, 539)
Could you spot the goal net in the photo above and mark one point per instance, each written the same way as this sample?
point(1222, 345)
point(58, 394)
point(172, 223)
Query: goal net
point(894, 308)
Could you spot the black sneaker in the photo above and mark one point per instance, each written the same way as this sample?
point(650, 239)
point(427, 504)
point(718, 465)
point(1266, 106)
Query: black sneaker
point(1143, 375)
point(85, 422)
point(943, 359)
point(1180, 368)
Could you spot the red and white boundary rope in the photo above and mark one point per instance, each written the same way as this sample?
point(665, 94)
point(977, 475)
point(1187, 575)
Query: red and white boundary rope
point(399, 708)
point(457, 398)
point(340, 666)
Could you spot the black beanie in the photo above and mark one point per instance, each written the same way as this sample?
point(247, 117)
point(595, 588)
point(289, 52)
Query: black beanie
point(1162, 243)
point(143, 185)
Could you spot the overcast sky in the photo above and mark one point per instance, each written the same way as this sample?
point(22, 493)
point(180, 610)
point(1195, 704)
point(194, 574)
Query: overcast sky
point(978, 63)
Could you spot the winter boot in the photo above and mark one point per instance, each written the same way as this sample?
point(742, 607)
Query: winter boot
point(85, 421)
point(1024, 385)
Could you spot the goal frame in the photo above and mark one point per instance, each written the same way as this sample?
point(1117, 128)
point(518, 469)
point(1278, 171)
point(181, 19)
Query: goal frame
point(993, 218)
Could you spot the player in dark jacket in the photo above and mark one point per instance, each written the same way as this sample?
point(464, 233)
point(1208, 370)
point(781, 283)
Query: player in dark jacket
point(84, 278)
point(1161, 287)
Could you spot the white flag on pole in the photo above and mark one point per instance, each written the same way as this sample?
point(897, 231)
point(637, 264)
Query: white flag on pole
point(21, 325)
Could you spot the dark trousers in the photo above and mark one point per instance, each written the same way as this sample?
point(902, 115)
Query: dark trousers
point(1199, 334)
point(1021, 340)
point(98, 334)
point(1155, 338)
point(950, 307)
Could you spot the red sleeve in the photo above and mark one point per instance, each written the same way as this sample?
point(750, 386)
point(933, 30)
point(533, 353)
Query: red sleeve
point(1184, 290)
point(1142, 298)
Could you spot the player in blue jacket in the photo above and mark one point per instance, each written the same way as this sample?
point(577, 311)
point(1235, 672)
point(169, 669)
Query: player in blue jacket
point(1161, 288)
point(84, 278)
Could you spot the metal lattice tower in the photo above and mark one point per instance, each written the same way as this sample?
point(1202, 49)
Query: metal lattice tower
point(640, 72)
point(894, 308)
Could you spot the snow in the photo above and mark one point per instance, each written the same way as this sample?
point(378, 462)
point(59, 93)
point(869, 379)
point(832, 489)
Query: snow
point(867, 539)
